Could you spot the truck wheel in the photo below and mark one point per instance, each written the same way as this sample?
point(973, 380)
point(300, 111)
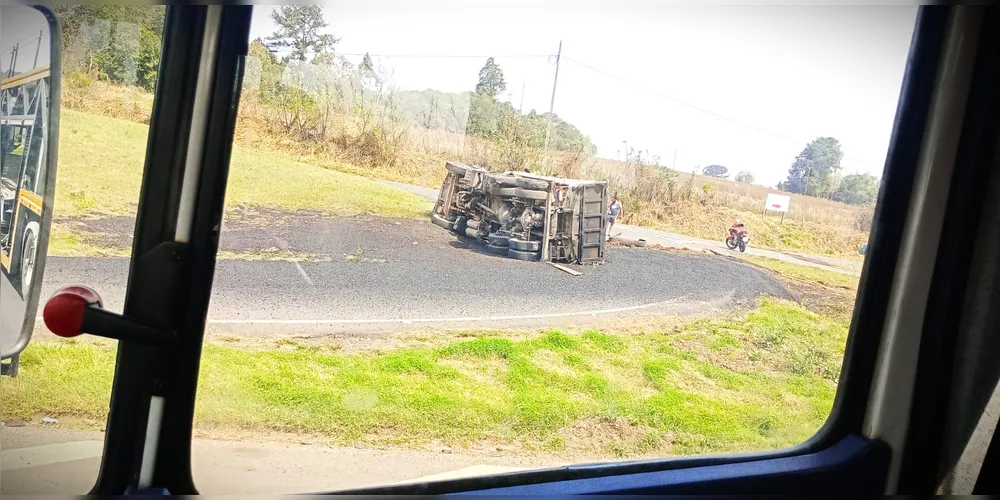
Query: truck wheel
point(531, 194)
point(28, 253)
point(441, 221)
point(499, 240)
point(526, 183)
point(521, 255)
point(496, 250)
point(525, 246)
point(506, 180)
point(501, 191)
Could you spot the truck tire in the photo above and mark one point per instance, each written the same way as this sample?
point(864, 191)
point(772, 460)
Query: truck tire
point(521, 255)
point(456, 169)
point(502, 191)
point(506, 180)
point(441, 221)
point(499, 240)
point(460, 222)
point(525, 246)
point(526, 183)
point(496, 250)
point(531, 194)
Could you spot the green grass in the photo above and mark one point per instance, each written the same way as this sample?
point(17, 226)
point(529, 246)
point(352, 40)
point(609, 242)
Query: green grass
point(762, 381)
point(101, 161)
point(806, 273)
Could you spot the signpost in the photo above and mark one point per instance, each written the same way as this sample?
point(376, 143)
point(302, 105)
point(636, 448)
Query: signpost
point(777, 203)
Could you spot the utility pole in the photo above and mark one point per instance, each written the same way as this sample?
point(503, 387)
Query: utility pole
point(552, 106)
point(520, 109)
point(38, 47)
point(673, 165)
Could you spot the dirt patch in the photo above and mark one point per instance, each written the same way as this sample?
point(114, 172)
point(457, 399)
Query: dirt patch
point(599, 437)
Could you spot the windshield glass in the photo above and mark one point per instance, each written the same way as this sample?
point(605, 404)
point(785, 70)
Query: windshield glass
point(463, 240)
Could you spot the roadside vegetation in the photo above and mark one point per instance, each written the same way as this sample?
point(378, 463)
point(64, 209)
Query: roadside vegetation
point(807, 274)
point(828, 293)
point(316, 107)
point(101, 161)
point(762, 380)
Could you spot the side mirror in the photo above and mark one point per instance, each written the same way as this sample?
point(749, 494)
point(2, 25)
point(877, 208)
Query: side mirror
point(30, 46)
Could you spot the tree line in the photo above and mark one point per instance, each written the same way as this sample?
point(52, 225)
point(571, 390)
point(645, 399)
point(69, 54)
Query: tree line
point(297, 73)
point(816, 172)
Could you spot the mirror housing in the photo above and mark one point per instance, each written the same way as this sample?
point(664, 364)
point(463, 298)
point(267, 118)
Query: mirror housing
point(30, 57)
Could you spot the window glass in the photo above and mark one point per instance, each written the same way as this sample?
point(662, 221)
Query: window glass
point(703, 179)
point(377, 302)
point(55, 409)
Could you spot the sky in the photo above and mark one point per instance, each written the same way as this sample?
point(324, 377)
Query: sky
point(19, 25)
point(741, 86)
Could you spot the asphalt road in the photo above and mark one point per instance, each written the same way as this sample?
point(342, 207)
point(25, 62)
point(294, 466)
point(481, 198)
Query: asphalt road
point(364, 273)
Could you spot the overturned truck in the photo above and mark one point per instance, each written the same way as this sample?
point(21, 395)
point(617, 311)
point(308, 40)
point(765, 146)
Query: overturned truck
point(525, 216)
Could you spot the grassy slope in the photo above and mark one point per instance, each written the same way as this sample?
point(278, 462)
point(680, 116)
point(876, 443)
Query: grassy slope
point(100, 170)
point(761, 381)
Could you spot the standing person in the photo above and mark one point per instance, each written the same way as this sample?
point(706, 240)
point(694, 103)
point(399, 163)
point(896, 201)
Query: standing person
point(614, 210)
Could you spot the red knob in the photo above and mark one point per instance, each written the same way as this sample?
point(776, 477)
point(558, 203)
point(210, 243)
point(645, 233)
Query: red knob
point(63, 312)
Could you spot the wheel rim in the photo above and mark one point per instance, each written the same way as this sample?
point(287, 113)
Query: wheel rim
point(28, 266)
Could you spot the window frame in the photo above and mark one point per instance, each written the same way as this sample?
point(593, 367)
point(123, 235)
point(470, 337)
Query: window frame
point(839, 449)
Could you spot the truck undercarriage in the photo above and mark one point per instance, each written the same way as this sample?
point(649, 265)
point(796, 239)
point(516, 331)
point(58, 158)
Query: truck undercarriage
point(525, 216)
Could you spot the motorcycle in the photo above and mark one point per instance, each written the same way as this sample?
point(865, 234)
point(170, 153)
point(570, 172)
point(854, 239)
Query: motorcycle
point(738, 238)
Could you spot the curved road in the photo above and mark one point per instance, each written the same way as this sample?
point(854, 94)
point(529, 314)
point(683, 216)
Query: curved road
point(375, 271)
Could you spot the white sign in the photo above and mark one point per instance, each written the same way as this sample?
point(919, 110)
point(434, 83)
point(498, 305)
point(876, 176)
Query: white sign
point(777, 202)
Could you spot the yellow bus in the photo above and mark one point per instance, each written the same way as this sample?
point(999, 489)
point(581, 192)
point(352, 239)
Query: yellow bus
point(23, 112)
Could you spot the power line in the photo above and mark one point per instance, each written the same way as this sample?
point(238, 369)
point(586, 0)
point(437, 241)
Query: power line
point(430, 56)
point(442, 56)
point(678, 101)
point(703, 110)
point(33, 36)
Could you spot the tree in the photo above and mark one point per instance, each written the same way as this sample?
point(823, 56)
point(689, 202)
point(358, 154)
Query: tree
point(367, 71)
point(367, 67)
point(857, 189)
point(745, 177)
point(119, 43)
point(491, 80)
point(815, 169)
point(299, 29)
point(716, 171)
